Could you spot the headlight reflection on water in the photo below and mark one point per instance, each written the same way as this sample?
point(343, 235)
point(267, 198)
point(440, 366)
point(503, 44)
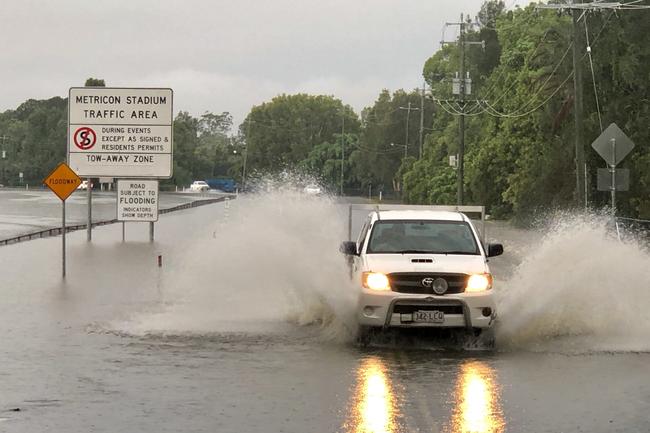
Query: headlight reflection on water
point(476, 405)
point(375, 407)
point(477, 401)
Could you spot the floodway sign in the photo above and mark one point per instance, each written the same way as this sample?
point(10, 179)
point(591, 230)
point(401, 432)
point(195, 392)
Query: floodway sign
point(137, 200)
point(62, 181)
point(120, 132)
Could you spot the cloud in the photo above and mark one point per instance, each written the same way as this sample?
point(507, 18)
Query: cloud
point(222, 55)
point(199, 91)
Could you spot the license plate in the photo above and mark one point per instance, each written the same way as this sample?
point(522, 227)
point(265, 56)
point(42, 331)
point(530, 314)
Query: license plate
point(432, 316)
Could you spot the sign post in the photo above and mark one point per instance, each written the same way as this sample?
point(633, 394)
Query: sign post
point(613, 146)
point(89, 227)
point(137, 200)
point(62, 181)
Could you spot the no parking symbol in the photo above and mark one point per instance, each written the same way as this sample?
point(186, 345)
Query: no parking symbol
point(85, 138)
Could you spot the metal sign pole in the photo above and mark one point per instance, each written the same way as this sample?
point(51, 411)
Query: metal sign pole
point(89, 227)
point(63, 236)
point(613, 170)
point(151, 231)
point(123, 231)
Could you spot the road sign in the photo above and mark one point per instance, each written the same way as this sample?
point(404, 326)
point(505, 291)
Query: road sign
point(137, 200)
point(62, 181)
point(613, 145)
point(120, 132)
point(622, 179)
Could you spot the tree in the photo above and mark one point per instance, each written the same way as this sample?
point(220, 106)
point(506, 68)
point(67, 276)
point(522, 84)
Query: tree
point(282, 133)
point(382, 143)
point(95, 82)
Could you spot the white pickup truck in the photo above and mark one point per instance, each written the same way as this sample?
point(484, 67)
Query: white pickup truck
point(423, 268)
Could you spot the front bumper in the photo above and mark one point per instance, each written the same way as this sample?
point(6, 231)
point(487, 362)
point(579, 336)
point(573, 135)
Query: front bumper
point(391, 309)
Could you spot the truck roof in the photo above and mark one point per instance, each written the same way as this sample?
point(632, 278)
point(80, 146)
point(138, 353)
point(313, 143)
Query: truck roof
point(421, 215)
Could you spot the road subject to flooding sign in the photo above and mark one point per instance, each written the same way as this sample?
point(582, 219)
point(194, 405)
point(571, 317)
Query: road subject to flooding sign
point(137, 200)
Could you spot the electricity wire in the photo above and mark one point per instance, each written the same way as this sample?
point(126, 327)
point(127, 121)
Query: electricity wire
point(494, 112)
point(591, 64)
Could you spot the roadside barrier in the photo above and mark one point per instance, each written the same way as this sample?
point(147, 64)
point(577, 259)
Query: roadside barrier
point(55, 231)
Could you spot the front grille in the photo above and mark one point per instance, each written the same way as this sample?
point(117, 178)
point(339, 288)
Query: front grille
point(410, 308)
point(421, 260)
point(411, 282)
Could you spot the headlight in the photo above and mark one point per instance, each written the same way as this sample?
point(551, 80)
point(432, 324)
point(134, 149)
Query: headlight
point(479, 283)
point(375, 281)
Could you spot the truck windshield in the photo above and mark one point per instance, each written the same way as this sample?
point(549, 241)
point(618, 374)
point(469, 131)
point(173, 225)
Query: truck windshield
point(423, 237)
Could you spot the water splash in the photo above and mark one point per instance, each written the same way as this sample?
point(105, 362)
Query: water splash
point(579, 289)
point(271, 259)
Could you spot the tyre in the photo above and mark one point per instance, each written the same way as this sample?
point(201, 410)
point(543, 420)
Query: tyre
point(365, 334)
point(478, 339)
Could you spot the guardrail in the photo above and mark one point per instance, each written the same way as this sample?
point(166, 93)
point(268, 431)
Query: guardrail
point(55, 231)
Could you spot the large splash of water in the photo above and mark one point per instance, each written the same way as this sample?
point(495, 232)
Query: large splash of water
point(578, 289)
point(270, 261)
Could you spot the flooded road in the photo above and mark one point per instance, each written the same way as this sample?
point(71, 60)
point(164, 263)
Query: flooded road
point(247, 327)
point(24, 211)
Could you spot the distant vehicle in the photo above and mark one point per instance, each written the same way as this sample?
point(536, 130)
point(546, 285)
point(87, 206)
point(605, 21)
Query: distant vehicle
point(199, 186)
point(84, 185)
point(313, 190)
point(423, 269)
point(222, 184)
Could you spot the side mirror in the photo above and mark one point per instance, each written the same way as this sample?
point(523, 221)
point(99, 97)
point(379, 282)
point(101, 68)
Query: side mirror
point(348, 248)
point(494, 250)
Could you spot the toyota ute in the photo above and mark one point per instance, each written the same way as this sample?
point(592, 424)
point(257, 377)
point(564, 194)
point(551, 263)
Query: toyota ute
point(423, 269)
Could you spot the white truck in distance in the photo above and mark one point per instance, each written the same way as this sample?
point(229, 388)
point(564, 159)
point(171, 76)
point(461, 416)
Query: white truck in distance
point(423, 269)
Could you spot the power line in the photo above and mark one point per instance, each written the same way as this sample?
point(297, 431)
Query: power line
point(591, 64)
point(596, 6)
point(488, 92)
point(532, 98)
point(494, 112)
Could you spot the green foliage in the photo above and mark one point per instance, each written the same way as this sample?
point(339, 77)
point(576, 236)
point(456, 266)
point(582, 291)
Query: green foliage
point(94, 82)
point(202, 147)
point(295, 130)
point(325, 160)
point(522, 161)
point(35, 140)
point(381, 149)
point(519, 151)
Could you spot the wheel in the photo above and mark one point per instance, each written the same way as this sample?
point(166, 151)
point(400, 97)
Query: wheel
point(365, 334)
point(478, 339)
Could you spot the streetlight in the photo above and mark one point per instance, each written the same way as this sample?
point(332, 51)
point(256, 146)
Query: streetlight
point(400, 145)
point(243, 173)
point(4, 157)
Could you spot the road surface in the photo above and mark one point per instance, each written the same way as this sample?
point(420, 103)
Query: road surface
point(246, 328)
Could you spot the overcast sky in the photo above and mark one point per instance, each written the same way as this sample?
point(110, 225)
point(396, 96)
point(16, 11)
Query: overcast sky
point(222, 55)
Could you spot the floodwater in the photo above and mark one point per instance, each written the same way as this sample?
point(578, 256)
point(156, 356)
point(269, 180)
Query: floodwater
point(247, 327)
point(24, 211)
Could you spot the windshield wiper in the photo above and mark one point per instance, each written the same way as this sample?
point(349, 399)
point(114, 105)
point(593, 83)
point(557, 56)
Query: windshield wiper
point(415, 252)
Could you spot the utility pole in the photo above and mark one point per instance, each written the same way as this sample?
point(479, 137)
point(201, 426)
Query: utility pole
point(248, 133)
point(421, 116)
point(408, 114)
point(578, 11)
point(578, 109)
point(342, 146)
point(464, 89)
point(461, 119)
